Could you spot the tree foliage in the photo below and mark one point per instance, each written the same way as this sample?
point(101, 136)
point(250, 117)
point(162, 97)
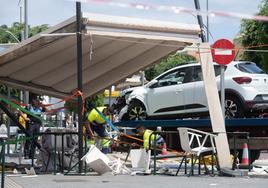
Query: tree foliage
point(16, 29)
point(9, 35)
point(255, 33)
point(97, 100)
point(166, 64)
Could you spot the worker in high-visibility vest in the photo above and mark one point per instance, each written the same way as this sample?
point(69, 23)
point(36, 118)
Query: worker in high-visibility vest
point(96, 124)
point(23, 119)
point(33, 126)
point(149, 136)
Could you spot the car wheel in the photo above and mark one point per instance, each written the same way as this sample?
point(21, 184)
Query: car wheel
point(233, 108)
point(125, 117)
point(137, 111)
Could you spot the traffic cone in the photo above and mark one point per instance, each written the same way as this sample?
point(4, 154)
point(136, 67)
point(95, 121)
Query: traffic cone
point(245, 160)
point(164, 150)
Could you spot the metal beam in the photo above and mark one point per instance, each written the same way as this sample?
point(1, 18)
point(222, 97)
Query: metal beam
point(197, 123)
point(79, 82)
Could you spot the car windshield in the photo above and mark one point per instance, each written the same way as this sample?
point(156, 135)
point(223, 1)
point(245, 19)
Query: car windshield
point(248, 67)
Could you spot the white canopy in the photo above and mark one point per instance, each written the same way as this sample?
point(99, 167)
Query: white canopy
point(118, 47)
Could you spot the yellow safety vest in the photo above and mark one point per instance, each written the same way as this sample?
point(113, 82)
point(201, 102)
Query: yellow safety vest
point(22, 120)
point(146, 138)
point(95, 116)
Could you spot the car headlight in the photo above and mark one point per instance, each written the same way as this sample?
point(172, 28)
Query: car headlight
point(127, 101)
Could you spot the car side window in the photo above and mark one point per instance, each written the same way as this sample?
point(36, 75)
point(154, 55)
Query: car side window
point(197, 74)
point(217, 69)
point(172, 78)
point(249, 67)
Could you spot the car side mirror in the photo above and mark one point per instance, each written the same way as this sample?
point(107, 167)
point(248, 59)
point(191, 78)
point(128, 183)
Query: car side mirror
point(152, 84)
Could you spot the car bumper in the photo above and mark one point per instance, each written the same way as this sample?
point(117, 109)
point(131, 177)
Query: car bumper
point(122, 112)
point(257, 106)
point(260, 107)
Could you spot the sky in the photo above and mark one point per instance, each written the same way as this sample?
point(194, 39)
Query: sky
point(52, 12)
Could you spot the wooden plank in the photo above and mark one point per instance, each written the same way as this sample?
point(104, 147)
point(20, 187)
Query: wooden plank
point(216, 116)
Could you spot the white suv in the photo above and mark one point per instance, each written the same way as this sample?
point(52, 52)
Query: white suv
point(180, 93)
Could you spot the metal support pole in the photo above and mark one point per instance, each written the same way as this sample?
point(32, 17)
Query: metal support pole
point(110, 105)
point(249, 153)
point(154, 153)
point(222, 91)
point(26, 32)
point(9, 120)
point(185, 164)
point(32, 139)
point(142, 77)
point(192, 165)
point(3, 164)
point(55, 153)
point(85, 151)
point(110, 97)
point(200, 20)
point(235, 154)
point(62, 153)
point(212, 162)
point(79, 82)
point(26, 35)
point(153, 149)
point(20, 14)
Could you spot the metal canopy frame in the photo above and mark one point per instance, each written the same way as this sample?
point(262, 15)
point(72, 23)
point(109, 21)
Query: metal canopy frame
point(90, 53)
point(118, 46)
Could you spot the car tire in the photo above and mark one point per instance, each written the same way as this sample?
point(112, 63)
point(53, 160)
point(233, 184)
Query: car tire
point(136, 111)
point(233, 107)
point(125, 117)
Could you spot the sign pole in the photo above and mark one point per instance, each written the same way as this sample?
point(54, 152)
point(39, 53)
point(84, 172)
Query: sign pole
point(222, 91)
point(223, 53)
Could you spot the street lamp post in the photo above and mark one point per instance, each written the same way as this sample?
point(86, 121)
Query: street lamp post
point(26, 20)
point(26, 35)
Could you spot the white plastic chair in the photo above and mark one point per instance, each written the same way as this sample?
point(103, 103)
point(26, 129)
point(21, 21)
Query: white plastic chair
point(196, 143)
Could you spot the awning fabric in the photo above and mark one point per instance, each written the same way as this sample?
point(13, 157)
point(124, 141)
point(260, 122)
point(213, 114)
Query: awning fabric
point(113, 48)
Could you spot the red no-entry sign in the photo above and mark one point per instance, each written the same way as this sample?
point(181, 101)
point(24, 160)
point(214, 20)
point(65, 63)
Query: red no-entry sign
point(223, 51)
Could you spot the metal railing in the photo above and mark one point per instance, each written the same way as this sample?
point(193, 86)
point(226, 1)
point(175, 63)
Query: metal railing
point(233, 135)
point(55, 147)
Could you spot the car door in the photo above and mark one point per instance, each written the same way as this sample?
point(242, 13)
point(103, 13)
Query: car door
point(167, 96)
point(199, 94)
point(189, 92)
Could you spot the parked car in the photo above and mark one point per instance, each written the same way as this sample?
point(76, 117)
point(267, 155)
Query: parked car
point(180, 93)
point(119, 106)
